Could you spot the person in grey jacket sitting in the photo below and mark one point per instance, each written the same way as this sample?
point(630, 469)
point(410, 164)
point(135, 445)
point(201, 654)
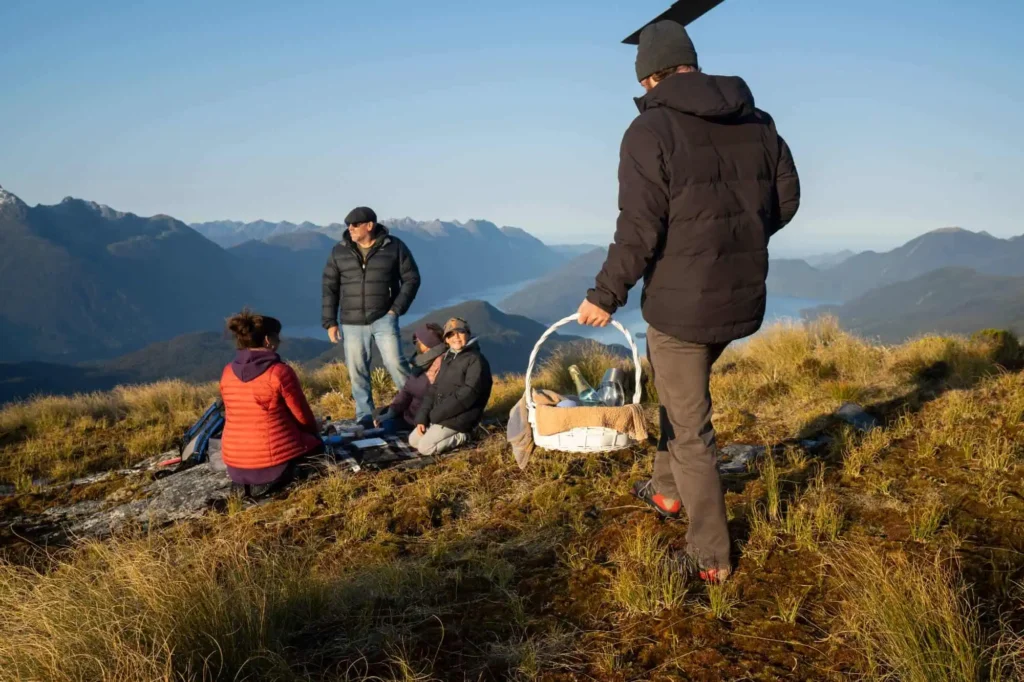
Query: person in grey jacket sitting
point(455, 403)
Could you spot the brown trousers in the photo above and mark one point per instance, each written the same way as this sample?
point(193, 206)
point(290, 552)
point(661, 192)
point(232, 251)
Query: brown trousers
point(686, 464)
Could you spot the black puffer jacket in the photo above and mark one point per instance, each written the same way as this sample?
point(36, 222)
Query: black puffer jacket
point(461, 391)
point(704, 181)
point(366, 292)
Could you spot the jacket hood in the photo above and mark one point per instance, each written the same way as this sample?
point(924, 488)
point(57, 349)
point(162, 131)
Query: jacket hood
point(379, 232)
point(701, 95)
point(250, 364)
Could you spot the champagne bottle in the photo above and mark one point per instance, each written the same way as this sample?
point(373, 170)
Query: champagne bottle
point(586, 393)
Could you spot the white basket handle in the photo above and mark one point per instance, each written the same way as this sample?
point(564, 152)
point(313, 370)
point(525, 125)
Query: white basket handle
point(532, 406)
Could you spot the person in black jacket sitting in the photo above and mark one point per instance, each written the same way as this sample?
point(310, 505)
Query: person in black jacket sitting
point(455, 403)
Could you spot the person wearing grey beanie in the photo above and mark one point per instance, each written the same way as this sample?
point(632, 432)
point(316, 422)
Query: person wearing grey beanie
point(705, 180)
point(664, 45)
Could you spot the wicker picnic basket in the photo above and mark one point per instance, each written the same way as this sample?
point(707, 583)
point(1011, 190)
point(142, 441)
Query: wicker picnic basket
point(580, 439)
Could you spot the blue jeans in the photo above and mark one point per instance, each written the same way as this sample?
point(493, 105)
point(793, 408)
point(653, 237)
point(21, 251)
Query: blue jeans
point(392, 427)
point(357, 358)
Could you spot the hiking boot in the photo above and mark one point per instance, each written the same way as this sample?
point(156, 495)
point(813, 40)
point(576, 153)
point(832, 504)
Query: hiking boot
point(252, 492)
point(687, 565)
point(644, 491)
point(715, 575)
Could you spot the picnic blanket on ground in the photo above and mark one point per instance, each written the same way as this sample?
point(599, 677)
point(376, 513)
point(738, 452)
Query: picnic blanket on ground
point(394, 452)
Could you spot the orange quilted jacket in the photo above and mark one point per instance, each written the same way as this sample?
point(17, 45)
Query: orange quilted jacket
point(267, 420)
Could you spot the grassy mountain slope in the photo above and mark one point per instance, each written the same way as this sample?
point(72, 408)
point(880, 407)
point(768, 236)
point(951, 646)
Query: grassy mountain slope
point(889, 554)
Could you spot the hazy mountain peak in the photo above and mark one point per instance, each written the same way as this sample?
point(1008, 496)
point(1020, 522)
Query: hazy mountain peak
point(478, 226)
point(9, 198)
point(102, 209)
point(957, 230)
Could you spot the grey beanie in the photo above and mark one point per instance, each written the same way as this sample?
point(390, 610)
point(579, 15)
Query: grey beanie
point(663, 44)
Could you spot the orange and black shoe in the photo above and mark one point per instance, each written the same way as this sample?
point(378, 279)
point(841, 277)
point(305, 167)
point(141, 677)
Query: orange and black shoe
point(714, 575)
point(687, 565)
point(644, 491)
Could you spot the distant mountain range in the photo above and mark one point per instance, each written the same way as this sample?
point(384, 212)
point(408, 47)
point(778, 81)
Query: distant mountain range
point(454, 258)
point(947, 301)
point(829, 260)
point(82, 280)
point(95, 283)
point(860, 273)
point(950, 281)
point(506, 340)
point(228, 233)
point(573, 250)
point(87, 283)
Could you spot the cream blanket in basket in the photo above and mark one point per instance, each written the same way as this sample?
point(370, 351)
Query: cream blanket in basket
point(519, 433)
point(628, 419)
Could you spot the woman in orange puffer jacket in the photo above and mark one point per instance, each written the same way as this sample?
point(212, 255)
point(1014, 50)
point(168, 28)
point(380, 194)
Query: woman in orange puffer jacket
point(268, 425)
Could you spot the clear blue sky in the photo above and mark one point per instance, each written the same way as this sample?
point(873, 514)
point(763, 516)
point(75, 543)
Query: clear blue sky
point(903, 116)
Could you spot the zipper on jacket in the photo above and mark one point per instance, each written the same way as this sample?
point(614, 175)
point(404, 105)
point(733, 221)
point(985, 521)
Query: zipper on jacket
point(362, 264)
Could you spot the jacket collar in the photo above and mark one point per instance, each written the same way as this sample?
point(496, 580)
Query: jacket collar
point(701, 95)
point(381, 237)
point(470, 347)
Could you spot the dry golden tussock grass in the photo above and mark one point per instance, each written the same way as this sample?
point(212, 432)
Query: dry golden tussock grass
point(60, 437)
point(914, 619)
point(474, 569)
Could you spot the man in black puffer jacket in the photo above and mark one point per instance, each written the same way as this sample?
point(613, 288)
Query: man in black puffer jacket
point(455, 403)
point(373, 278)
point(704, 182)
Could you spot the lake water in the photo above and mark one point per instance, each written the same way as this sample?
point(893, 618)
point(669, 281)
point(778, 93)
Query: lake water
point(777, 309)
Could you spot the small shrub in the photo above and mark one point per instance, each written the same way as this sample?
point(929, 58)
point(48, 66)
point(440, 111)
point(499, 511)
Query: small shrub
point(912, 621)
point(799, 523)
point(646, 581)
point(722, 599)
point(381, 385)
point(789, 605)
point(771, 390)
point(866, 452)
point(818, 370)
point(926, 518)
point(1001, 346)
point(762, 538)
point(770, 479)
